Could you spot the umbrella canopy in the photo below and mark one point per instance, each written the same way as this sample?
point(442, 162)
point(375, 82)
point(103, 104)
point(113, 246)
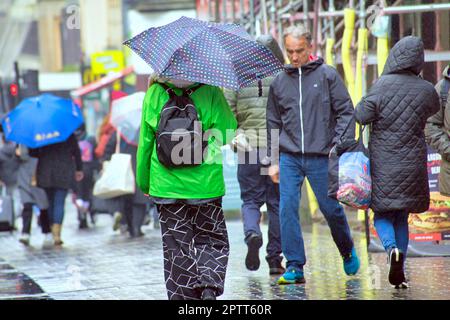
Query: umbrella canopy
point(126, 116)
point(42, 120)
point(217, 54)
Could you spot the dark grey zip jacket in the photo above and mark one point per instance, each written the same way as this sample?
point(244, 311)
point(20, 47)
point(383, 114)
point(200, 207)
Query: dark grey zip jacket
point(312, 122)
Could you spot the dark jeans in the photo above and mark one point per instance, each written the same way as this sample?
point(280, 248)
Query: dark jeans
point(56, 201)
point(293, 170)
point(27, 217)
point(257, 189)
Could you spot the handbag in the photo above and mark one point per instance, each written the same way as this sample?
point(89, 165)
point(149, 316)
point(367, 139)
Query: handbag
point(349, 180)
point(117, 177)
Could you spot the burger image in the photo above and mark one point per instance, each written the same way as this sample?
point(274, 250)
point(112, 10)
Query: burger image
point(437, 219)
point(439, 203)
point(430, 221)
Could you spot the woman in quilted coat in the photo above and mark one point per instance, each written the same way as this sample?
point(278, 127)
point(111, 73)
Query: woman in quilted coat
point(398, 106)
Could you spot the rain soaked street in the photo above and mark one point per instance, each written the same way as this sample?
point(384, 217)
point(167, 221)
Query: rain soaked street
point(99, 264)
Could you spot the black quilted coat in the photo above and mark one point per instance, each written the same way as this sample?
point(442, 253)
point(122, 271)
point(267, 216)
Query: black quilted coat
point(398, 106)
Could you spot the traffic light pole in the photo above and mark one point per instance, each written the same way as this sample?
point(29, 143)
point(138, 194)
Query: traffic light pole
point(17, 80)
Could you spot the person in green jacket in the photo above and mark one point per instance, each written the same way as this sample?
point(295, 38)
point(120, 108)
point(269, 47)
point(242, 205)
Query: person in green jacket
point(189, 199)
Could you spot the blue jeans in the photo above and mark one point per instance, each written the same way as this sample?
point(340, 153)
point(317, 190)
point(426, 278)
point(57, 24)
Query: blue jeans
point(392, 229)
point(257, 189)
point(56, 200)
point(293, 170)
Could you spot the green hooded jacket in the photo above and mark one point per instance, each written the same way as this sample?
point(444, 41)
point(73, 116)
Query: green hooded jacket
point(200, 182)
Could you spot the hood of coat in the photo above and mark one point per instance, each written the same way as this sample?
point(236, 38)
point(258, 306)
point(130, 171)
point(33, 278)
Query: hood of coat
point(446, 72)
point(309, 67)
point(406, 56)
point(270, 43)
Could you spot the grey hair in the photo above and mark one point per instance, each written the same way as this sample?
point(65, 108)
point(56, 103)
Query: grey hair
point(298, 31)
point(152, 79)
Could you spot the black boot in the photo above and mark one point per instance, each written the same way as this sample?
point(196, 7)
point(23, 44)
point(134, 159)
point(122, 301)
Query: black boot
point(209, 294)
point(254, 242)
point(275, 267)
point(83, 224)
point(396, 272)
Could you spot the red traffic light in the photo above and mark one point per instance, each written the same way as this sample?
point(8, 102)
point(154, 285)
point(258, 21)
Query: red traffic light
point(14, 89)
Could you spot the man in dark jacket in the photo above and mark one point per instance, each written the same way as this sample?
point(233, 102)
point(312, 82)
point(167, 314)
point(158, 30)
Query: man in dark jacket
point(398, 106)
point(58, 165)
point(310, 108)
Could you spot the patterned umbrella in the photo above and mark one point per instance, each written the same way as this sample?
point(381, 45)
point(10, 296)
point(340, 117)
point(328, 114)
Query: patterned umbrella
point(217, 54)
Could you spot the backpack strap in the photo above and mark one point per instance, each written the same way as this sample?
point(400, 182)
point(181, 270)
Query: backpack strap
point(445, 86)
point(188, 92)
point(168, 89)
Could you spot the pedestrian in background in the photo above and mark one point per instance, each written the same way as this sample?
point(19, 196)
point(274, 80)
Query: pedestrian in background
point(9, 164)
point(437, 132)
point(397, 107)
point(30, 196)
point(310, 106)
point(189, 199)
point(249, 106)
point(84, 188)
point(58, 165)
point(106, 131)
point(134, 206)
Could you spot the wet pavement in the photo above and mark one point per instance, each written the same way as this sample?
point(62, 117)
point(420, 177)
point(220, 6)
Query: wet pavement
point(100, 264)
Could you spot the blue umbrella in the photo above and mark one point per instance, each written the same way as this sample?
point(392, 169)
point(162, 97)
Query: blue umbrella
point(42, 120)
point(218, 54)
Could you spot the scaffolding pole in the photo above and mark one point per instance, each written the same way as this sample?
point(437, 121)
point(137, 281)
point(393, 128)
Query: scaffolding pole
point(387, 10)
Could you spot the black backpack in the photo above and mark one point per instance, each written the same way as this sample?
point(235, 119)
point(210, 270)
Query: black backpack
point(179, 139)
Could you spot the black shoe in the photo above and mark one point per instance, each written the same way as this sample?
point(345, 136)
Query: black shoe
point(83, 224)
point(254, 242)
point(93, 218)
point(275, 267)
point(396, 272)
point(136, 233)
point(209, 294)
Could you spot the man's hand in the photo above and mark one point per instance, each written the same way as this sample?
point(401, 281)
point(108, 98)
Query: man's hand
point(79, 175)
point(274, 173)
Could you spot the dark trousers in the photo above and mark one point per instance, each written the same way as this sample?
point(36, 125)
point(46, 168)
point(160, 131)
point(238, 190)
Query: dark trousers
point(257, 189)
point(27, 217)
point(196, 249)
point(133, 214)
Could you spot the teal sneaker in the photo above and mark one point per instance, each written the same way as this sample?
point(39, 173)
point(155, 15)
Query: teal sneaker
point(351, 263)
point(291, 276)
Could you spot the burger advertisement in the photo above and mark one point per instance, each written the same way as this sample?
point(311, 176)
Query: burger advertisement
point(434, 224)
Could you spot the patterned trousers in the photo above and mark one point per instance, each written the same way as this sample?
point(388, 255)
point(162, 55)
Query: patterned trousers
point(196, 249)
